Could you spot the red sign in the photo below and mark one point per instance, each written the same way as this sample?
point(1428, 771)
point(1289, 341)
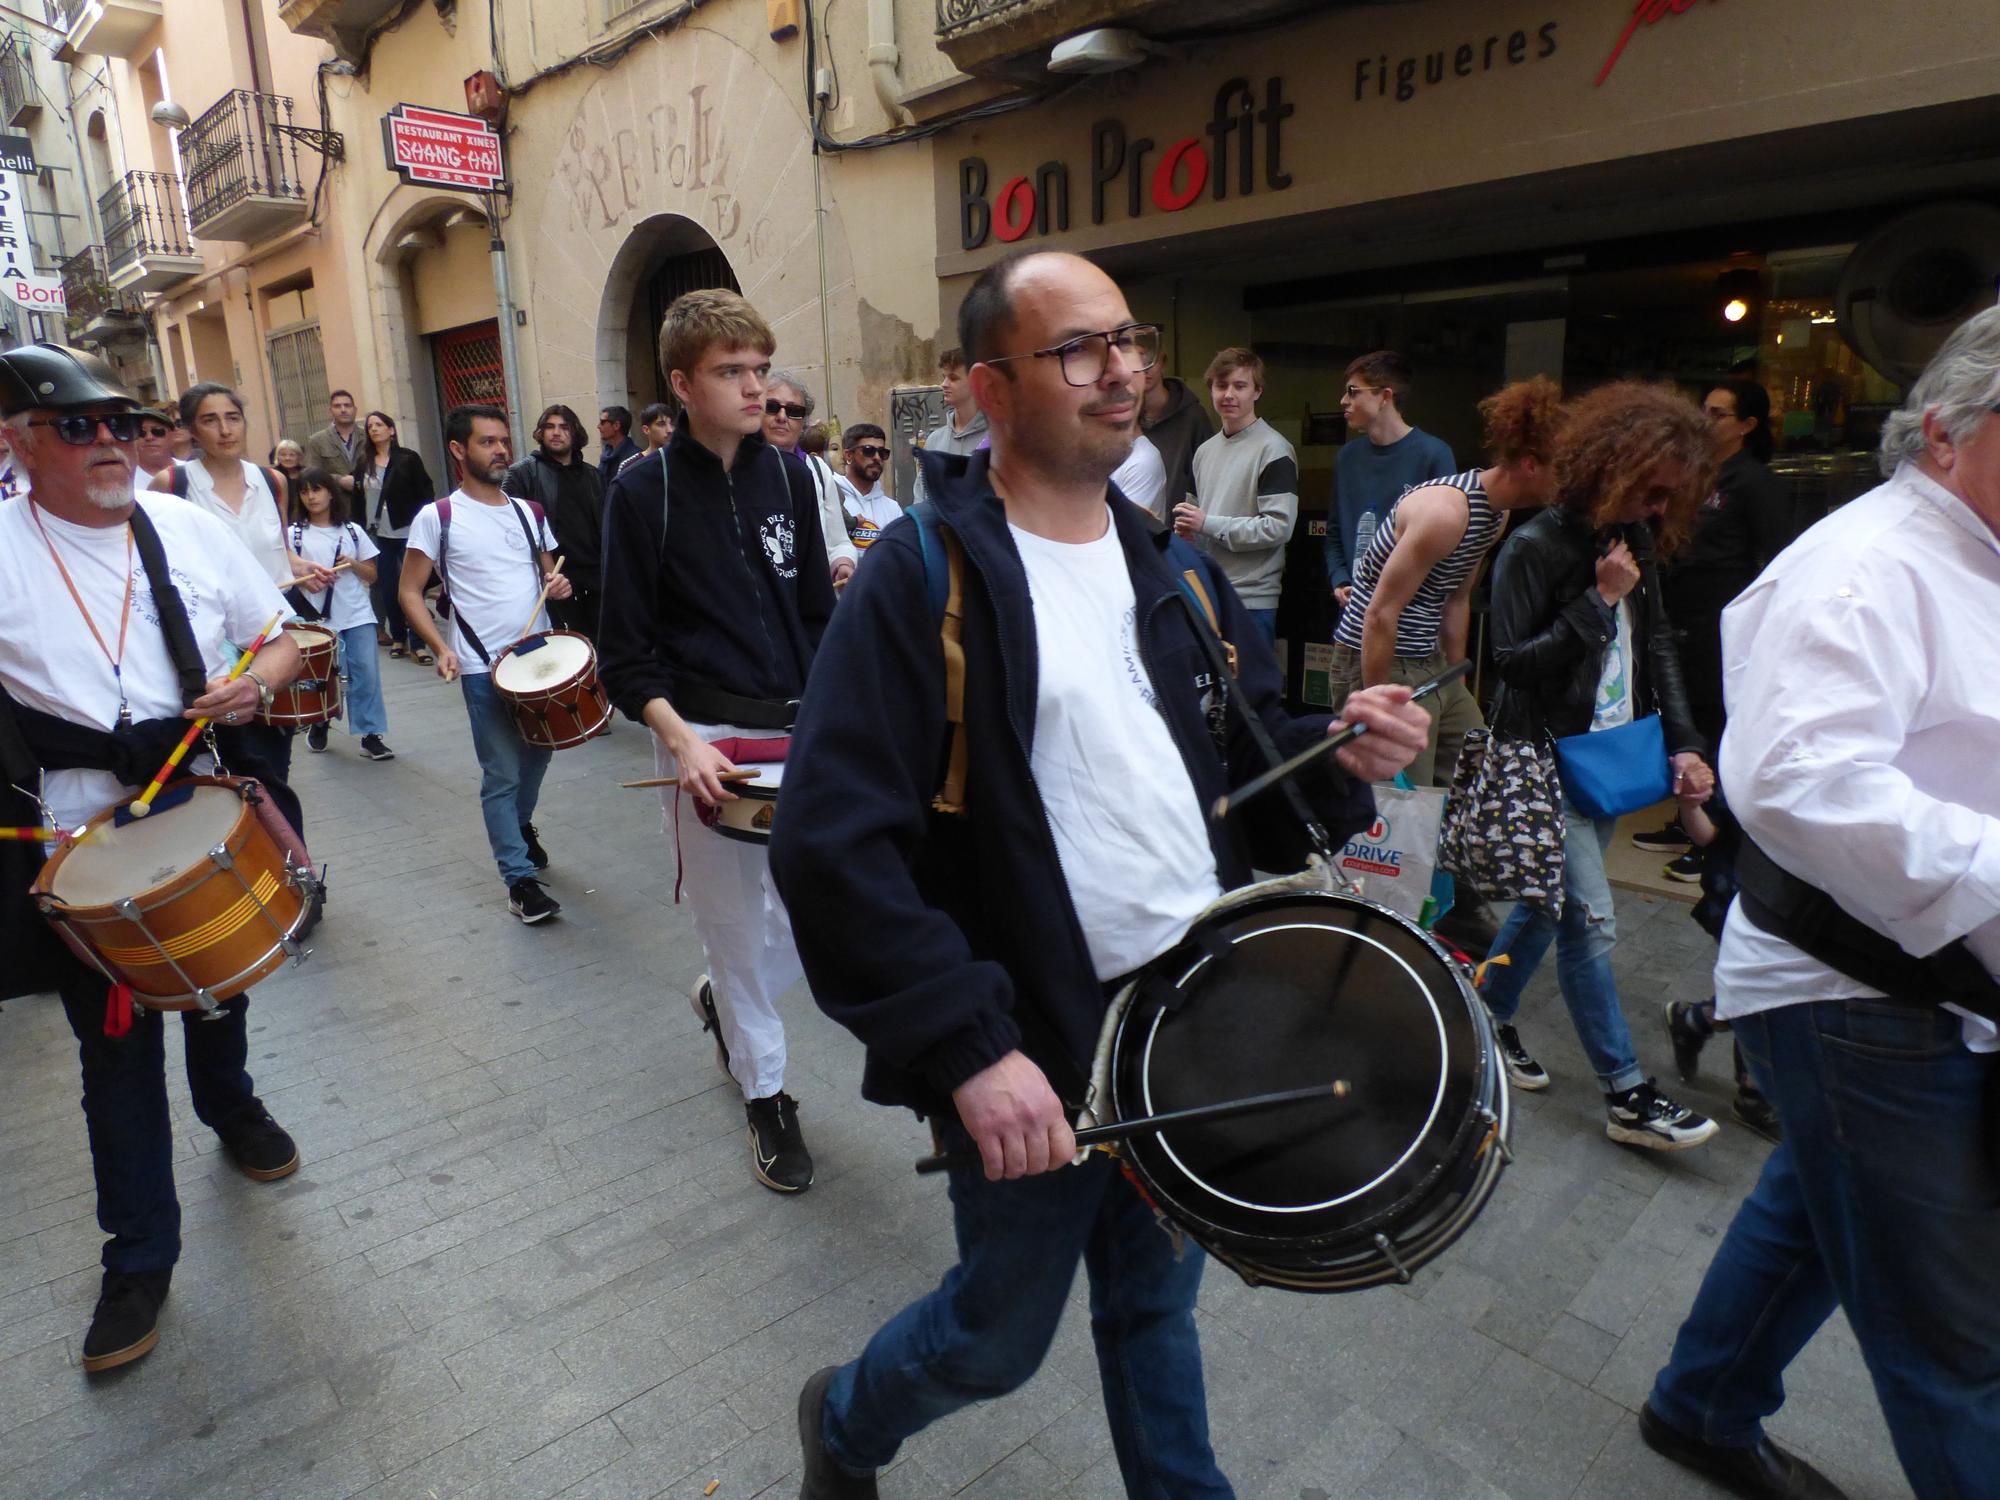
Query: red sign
point(435, 148)
point(1644, 13)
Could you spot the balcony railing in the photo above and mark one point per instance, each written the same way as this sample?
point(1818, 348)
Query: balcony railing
point(19, 100)
point(243, 174)
point(146, 242)
point(87, 288)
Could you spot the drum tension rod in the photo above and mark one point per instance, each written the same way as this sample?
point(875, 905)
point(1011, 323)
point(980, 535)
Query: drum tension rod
point(130, 910)
point(1388, 1249)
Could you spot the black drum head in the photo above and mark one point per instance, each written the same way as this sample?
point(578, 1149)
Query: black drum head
point(1299, 990)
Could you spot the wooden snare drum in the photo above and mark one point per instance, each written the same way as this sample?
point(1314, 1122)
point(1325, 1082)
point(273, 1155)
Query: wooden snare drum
point(188, 907)
point(313, 697)
point(553, 691)
point(750, 816)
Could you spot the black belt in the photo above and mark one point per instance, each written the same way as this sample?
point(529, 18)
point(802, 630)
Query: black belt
point(703, 704)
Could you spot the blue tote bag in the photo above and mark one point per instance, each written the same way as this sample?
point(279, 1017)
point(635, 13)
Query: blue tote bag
point(1616, 771)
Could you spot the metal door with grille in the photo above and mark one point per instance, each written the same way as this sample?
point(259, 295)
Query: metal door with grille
point(696, 271)
point(298, 375)
point(469, 372)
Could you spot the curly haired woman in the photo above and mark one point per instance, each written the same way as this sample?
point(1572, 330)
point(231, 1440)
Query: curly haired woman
point(1580, 641)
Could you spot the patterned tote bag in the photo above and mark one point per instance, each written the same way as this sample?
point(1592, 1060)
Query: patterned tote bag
point(1503, 821)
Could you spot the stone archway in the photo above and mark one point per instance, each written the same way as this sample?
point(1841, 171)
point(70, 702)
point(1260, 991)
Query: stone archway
point(626, 333)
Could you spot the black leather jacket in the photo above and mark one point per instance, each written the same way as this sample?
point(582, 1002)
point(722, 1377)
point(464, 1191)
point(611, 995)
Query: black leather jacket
point(1550, 632)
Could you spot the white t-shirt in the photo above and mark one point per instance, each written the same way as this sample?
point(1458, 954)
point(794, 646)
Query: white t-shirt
point(494, 578)
point(1614, 683)
point(329, 546)
point(1128, 825)
point(48, 659)
point(257, 526)
point(1142, 478)
point(871, 512)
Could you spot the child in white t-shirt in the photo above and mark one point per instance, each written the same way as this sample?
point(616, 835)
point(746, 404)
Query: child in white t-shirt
point(324, 535)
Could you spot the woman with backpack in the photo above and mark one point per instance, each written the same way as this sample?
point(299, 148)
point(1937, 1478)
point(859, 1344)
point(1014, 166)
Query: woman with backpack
point(251, 500)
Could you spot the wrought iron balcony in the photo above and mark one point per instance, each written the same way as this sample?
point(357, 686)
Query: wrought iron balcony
point(99, 313)
point(146, 243)
point(243, 174)
point(20, 100)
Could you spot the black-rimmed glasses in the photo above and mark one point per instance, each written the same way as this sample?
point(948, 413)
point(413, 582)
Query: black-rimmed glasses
point(791, 409)
point(1086, 357)
point(79, 429)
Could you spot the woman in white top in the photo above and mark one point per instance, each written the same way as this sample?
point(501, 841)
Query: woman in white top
point(244, 496)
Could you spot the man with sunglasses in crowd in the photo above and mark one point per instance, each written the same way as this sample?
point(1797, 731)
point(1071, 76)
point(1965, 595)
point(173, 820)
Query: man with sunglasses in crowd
point(155, 449)
point(867, 506)
point(972, 948)
point(788, 406)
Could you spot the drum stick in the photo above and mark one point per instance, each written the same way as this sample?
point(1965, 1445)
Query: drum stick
point(143, 803)
point(1200, 1114)
point(1313, 754)
point(336, 568)
point(543, 598)
point(676, 781)
point(30, 835)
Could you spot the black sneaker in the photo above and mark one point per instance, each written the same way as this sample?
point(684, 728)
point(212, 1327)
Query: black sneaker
point(126, 1324)
point(1643, 1116)
point(259, 1146)
point(374, 749)
point(316, 739)
point(824, 1479)
point(1686, 869)
point(1763, 1471)
point(703, 996)
point(527, 900)
point(778, 1152)
point(1666, 840)
point(537, 855)
point(1522, 1069)
point(1759, 1114)
point(1688, 1028)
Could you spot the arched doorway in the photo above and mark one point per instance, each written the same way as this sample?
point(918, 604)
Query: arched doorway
point(663, 257)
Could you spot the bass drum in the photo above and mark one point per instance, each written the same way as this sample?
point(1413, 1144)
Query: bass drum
point(1280, 987)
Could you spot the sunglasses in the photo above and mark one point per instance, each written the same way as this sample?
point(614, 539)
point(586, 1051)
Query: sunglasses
point(79, 430)
point(869, 450)
point(795, 412)
point(1361, 390)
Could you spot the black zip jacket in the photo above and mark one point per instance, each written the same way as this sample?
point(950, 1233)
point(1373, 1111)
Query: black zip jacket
point(406, 485)
point(572, 496)
point(1742, 526)
point(1550, 633)
point(945, 942)
point(731, 590)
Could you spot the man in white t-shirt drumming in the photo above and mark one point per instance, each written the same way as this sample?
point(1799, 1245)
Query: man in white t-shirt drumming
point(495, 554)
point(114, 624)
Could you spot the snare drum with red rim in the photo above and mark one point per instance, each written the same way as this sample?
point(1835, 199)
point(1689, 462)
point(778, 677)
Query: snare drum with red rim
point(552, 689)
point(750, 816)
point(313, 697)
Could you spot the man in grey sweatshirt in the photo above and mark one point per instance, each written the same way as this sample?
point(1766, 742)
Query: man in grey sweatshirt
point(964, 427)
point(1246, 482)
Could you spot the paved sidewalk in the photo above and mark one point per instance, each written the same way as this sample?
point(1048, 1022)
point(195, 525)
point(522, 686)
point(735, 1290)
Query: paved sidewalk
point(526, 1257)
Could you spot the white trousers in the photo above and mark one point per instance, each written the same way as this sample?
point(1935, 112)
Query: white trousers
point(745, 932)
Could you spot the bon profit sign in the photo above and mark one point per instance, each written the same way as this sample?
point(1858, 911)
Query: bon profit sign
point(435, 148)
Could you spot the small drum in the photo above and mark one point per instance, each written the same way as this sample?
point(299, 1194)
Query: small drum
point(552, 690)
point(190, 906)
point(313, 697)
point(750, 816)
point(1292, 985)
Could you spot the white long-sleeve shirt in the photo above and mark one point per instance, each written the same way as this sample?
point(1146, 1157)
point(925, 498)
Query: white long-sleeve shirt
point(1863, 747)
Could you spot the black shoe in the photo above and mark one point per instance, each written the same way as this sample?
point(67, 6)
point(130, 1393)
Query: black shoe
point(259, 1146)
point(1666, 840)
point(527, 900)
point(1643, 1116)
point(1762, 1472)
point(1759, 1113)
point(1688, 1028)
point(316, 739)
point(1686, 869)
point(703, 996)
point(126, 1324)
point(778, 1152)
point(824, 1479)
point(374, 749)
point(1522, 1069)
point(1470, 927)
point(537, 855)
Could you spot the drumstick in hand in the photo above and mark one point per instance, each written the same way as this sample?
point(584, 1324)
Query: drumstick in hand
point(143, 803)
point(676, 781)
point(547, 584)
point(336, 568)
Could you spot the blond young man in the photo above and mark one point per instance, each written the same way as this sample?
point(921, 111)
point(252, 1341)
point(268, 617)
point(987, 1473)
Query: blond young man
point(716, 592)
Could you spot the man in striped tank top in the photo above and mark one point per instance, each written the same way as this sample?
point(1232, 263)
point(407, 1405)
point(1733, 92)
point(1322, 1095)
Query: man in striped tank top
point(1408, 617)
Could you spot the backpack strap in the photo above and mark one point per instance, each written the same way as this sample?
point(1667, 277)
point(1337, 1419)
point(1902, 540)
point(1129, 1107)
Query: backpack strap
point(281, 492)
point(944, 590)
point(1192, 586)
point(177, 479)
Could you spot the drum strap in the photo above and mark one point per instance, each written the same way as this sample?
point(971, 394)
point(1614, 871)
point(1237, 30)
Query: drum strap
point(946, 593)
point(173, 612)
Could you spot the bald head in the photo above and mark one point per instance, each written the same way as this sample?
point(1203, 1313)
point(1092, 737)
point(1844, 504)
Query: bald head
point(991, 312)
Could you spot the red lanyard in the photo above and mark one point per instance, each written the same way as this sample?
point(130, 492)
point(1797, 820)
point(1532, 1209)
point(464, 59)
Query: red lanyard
point(124, 617)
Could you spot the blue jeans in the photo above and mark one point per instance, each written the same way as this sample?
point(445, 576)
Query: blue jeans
point(361, 665)
point(986, 1328)
point(1583, 942)
point(125, 1111)
point(1885, 1197)
point(510, 776)
point(1267, 621)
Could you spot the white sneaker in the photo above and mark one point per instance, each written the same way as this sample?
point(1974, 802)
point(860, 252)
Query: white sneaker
point(1643, 1116)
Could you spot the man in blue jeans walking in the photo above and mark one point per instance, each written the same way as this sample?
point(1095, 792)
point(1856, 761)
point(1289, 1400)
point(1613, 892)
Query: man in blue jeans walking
point(495, 554)
point(1863, 730)
point(969, 937)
